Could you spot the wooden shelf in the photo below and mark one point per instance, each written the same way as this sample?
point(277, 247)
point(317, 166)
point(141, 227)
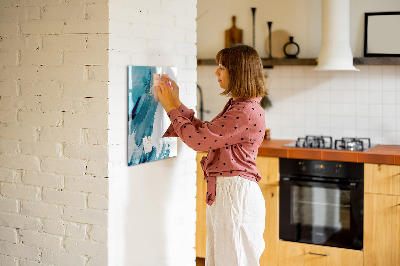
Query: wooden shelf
point(377, 61)
point(269, 63)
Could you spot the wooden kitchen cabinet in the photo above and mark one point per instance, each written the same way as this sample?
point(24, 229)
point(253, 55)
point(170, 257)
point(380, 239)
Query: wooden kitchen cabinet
point(201, 205)
point(300, 254)
point(271, 232)
point(268, 168)
point(382, 179)
point(382, 215)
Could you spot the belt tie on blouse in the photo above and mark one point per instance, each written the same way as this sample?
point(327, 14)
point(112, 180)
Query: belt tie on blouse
point(210, 196)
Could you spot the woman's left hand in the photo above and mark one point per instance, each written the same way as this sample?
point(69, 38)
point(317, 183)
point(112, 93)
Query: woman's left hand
point(165, 96)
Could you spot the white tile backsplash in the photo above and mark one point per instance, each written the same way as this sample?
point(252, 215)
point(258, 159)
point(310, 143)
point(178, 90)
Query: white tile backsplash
point(363, 103)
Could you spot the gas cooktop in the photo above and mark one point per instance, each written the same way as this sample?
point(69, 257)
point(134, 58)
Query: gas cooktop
point(326, 142)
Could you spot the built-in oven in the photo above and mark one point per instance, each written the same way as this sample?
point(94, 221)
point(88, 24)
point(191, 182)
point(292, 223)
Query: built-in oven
point(321, 202)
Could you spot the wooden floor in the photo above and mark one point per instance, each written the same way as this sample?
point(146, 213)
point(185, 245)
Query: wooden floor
point(200, 262)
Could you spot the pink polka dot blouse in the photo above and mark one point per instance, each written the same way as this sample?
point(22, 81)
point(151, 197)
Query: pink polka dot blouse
point(232, 139)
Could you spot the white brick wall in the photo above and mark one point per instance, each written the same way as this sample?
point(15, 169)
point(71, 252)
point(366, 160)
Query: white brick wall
point(152, 205)
point(60, 139)
point(53, 132)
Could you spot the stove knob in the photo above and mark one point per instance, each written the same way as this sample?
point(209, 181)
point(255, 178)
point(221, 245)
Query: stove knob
point(338, 169)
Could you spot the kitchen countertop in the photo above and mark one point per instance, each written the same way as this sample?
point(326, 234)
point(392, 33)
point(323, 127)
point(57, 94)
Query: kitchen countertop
point(380, 154)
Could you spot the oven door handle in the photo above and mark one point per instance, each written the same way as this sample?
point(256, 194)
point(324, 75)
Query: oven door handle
point(319, 182)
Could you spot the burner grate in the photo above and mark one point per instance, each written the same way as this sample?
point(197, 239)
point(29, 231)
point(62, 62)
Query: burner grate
point(322, 142)
point(353, 144)
point(326, 142)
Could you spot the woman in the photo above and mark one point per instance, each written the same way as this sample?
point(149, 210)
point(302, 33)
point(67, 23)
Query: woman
point(236, 211)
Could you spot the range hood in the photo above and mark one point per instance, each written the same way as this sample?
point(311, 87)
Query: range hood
point(335, 52)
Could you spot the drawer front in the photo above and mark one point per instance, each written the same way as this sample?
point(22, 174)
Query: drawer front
point(382, 179)
point(299, 254)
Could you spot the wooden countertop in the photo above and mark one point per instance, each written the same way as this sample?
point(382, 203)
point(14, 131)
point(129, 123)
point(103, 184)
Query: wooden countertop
point(380, 154)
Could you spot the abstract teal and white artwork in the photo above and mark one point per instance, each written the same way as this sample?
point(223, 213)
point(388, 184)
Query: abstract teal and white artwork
point(147, 120)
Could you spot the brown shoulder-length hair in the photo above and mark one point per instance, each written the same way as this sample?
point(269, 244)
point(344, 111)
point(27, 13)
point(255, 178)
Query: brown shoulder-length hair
point(245, 69)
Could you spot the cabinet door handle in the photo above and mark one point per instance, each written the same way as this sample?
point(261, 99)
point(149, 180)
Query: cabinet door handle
point(318, 254)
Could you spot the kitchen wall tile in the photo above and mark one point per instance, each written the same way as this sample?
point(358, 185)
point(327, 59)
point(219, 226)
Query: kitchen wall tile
point(348, 132)
point(336, 96)
point(309, 72)
point(362, 78)
point(367, 102)
point(323, 74)
point(349, 96)
point(388, 97)
point(362, 97)
point(349, 122)
point(362, 110)
point(397, 73)
point(362, 123)
point(310, 121)
point(298, 120)
point(298, 72)
point(301, 131)
point(298, 96)
point(310, 82)
point(285, 82)
point(375, 71)
point(349, 79)
point(323, 109)
point(375, 110)
point(286, 120)
point(323, 95)
point(299, 107)
point(336, 109)
point(389, 84)
point(298, 83)
point(376, 136)
point(389, 78)
point(336, 121)
point(388, 71)
point(375, 84)
point(286, 132)
point(323, 121)
point(375, 97)
point(398, 94)
point(362, 133)
point(389, 124)
point(336, 133)
point(322, 82)
point(325, 131)
point(389, 110)
point(336, 81)
point(310, 95)
point(348, 109)
point(286, 71)
point(375, 123)
point(398, 113)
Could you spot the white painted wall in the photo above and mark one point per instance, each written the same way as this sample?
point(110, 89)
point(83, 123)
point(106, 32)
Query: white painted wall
point(341, 104)
point(53, 133)
point(152, 205)
point(301, 19)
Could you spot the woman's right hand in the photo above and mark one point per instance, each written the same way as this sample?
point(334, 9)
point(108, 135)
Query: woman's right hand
point(175, 90)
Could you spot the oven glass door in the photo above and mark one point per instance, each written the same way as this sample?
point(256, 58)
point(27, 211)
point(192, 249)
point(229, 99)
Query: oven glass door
point(322, 213)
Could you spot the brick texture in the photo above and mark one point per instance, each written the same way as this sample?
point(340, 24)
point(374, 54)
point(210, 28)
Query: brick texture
point(53, 56)
point(63, 72)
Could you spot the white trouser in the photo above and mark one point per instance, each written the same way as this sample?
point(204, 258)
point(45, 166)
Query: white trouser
point(235, 223)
